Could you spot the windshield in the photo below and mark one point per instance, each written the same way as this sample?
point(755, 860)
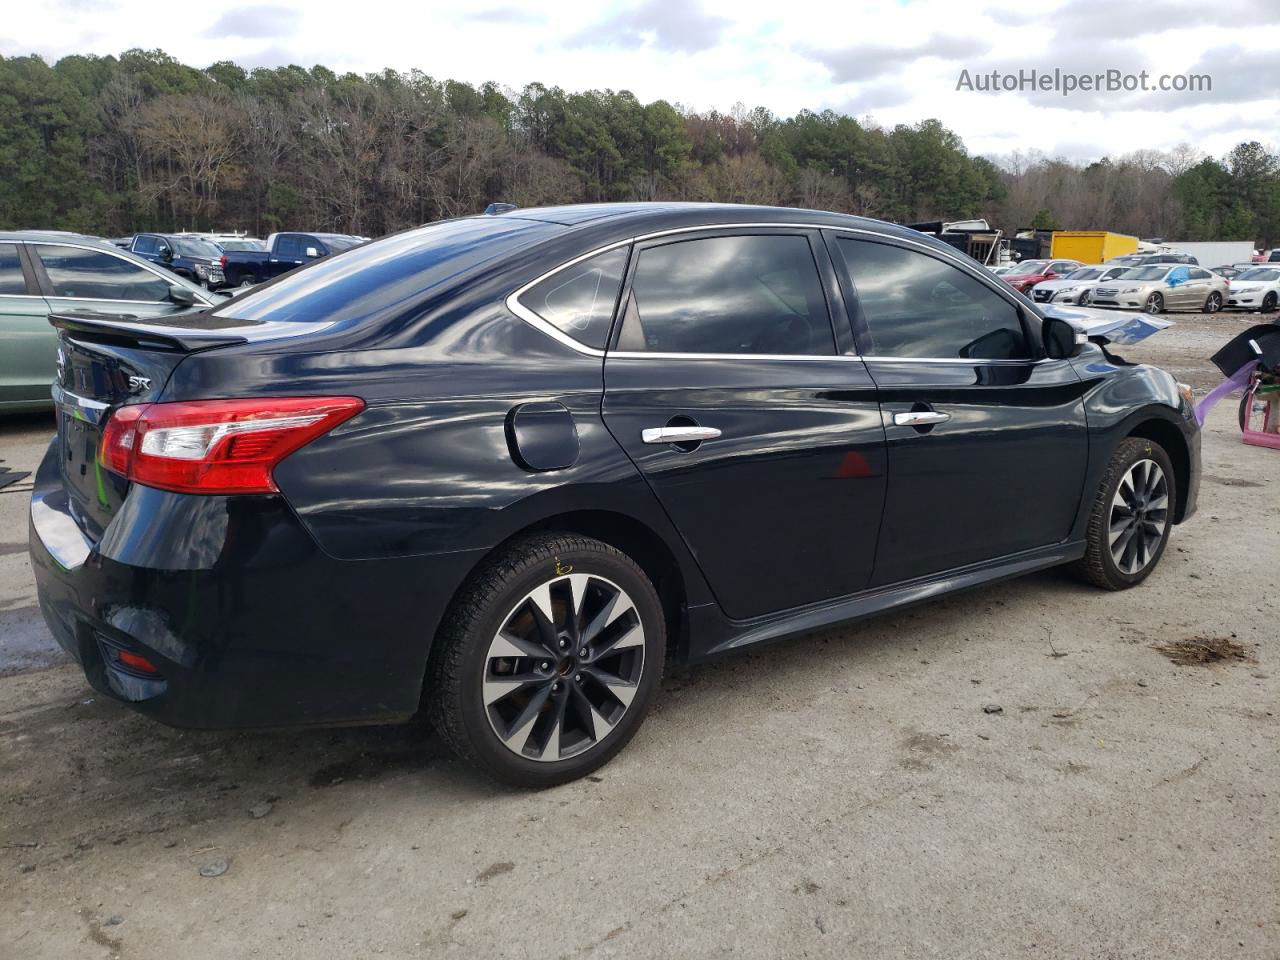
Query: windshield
point(1088, 273)
point(1146, 273)
point(388, 276)
point(1259, 273)
point(1028, 268)
point(196, 248)
point(338, 244)
point(257, 245)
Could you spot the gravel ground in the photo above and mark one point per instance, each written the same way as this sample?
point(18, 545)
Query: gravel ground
point(844, 794)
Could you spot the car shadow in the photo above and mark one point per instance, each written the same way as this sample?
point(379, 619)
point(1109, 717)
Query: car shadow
point(70, 758)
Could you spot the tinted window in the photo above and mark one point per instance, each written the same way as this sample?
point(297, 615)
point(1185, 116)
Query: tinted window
point(145, 245)
point(1199, 274)
point(917, 306)
point(737, 294)
point(11, 280)
point(94, 275)
point(388, 276)
point(338, 244)
point(289, 246)
point(196, 248)
point(579, 300)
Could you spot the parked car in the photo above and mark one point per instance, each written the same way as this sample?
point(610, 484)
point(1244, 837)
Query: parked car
point(41, 273)
point(1028, 273)
point(1147, 259)
point(1255, 289)
point(1162, 287)
point(188, 256)
point(1076, 287)
point(284, 251)
point(502, 466)
point(1232, 270)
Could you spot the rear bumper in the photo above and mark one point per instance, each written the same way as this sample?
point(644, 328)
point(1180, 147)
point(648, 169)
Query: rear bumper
point(248, 622)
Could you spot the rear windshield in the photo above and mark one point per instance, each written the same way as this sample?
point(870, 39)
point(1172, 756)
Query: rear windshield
point(380, 278)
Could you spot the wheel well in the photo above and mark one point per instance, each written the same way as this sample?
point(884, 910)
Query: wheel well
point(634, 539)
point(1170, 438)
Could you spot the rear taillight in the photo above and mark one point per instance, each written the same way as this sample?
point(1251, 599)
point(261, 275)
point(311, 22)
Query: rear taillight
point(216, 446)
point(222, 261)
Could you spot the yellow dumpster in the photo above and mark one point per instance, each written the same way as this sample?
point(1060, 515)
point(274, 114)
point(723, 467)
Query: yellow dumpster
point(1091, 246)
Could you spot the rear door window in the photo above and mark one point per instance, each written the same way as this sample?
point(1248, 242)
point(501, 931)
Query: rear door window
point(579, 300)
point(728, 295)
point(917, 306)
point(85, 274)
point(289, 246)
point(11, 279)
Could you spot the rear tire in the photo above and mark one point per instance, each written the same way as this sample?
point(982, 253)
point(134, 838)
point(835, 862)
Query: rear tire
point(1131, 516)
point(1213, 303)
point(547, 661)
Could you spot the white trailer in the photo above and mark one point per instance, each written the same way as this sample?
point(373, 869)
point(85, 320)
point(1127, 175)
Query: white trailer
point(1217, 254)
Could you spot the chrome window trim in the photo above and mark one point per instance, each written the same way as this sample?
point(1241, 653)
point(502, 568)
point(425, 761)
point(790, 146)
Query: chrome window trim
point(109, 300)
point(92, 249)
point(528, 316)
point(645, 355)
point(966, 361)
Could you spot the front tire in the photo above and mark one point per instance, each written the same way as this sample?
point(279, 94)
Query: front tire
point(1269, 303)
point(1154, 304)
point(1131, 516)
point(548, 660)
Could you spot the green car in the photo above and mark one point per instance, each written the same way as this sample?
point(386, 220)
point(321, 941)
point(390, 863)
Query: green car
point(44, 272)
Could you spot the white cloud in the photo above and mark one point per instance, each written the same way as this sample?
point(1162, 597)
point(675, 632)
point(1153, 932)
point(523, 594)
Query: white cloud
point(896, 59)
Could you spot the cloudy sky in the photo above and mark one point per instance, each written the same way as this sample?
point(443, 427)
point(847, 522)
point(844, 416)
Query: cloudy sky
point(896, 61)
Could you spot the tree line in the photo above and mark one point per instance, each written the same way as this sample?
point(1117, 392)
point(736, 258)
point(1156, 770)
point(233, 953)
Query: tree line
point(114, 145)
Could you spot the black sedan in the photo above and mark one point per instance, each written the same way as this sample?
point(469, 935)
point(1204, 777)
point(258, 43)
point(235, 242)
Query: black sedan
point(499, 468)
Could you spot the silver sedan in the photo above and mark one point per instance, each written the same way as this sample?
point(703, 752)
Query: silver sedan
point(1162, 287)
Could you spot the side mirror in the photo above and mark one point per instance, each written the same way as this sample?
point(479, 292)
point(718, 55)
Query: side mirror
point(182, 296)
point(312, 253)
point(1061, 339)
point(166, 254)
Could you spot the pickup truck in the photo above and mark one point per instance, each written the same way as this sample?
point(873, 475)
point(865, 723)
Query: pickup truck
point(244, 268)
point(188, 256)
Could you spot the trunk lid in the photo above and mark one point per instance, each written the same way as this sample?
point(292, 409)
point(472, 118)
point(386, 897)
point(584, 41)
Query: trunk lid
point(105, 362)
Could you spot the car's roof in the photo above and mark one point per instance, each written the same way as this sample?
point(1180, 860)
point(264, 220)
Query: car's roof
point(604, 222)
point(45, 236)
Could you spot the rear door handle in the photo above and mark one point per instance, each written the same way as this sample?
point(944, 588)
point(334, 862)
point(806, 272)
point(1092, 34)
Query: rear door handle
point(678, 434)
point(920, 418)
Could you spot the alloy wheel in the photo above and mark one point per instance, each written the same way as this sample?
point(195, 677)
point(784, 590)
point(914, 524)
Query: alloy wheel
point(1214, 303)
point(564, 667)
point(1155, 303)
point(1139, 516)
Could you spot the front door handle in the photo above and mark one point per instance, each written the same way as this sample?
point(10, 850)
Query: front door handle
point(920, 418)
point(678, 434)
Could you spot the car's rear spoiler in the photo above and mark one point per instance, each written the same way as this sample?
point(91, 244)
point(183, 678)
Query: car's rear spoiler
point(181, 334)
